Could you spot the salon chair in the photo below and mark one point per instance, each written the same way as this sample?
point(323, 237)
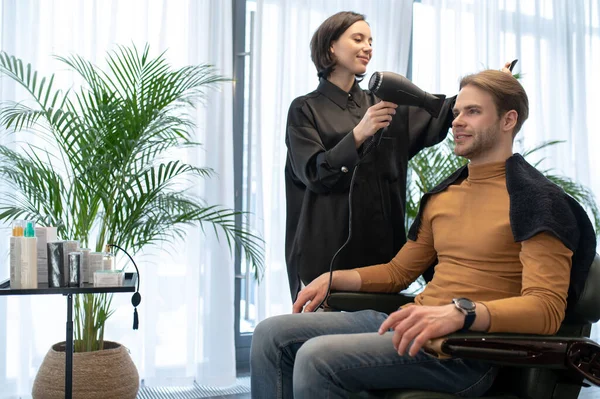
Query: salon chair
point(530, 366)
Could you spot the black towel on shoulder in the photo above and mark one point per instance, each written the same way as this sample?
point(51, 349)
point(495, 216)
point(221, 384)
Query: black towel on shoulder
point(538, 205)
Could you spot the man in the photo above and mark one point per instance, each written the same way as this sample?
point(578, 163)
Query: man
point(505, 239)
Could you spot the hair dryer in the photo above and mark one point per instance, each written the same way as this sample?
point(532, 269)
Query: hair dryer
point(390, 86)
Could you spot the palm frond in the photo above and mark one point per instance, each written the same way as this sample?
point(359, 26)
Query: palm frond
point(425, 171)
point(582, 194)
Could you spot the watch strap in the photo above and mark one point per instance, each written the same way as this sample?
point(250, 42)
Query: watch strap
point(469, 320)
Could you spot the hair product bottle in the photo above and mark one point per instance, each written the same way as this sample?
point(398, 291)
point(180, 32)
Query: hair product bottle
point(16, 242)
point(108, 259)
point(29, 273)
point(44, 235)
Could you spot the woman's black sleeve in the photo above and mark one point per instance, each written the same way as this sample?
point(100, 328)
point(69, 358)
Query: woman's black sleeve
point(425, 131)
point(319, 169)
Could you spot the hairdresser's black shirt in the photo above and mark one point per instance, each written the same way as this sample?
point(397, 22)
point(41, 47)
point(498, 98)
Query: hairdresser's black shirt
point(321, 158)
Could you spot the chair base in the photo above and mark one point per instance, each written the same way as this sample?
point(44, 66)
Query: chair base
point(411, 394)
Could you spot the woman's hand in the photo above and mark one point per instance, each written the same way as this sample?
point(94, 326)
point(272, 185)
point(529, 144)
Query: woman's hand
point(377, 117)
point(312, 295)
point(506, 68)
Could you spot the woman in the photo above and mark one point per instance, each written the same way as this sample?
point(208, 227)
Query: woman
point(329, 135)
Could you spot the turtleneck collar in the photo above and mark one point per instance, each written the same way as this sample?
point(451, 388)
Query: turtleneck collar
point(486, 171)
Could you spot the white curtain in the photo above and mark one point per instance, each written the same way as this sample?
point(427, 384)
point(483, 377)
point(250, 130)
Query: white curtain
point(557, 43)
point(558, 46)
point(282, 71)
point(186, 315)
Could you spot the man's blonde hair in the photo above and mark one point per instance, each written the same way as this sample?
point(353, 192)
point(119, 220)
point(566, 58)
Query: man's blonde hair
point(506, 91)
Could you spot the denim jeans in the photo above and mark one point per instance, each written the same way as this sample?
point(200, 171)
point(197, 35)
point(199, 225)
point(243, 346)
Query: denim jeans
point(331, 354)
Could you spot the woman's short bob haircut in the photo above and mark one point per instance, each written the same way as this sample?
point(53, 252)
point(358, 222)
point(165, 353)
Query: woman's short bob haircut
point(330, 30)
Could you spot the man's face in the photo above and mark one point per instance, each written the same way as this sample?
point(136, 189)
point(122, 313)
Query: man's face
point(476, 125)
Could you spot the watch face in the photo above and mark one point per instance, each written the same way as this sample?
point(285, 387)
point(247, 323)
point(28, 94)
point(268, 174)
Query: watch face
point(466, 304)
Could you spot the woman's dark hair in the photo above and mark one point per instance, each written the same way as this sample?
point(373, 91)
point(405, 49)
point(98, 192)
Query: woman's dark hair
point(330, 30)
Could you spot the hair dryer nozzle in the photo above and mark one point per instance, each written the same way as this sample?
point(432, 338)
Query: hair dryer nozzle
point(436, 104)
point(390, 86)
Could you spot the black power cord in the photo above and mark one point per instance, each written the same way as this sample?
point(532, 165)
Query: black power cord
point(136, 298)
point(372, 144)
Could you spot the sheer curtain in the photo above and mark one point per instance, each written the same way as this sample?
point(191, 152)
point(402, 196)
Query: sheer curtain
point(186, 315)
point(558, 46)
point(284, 71)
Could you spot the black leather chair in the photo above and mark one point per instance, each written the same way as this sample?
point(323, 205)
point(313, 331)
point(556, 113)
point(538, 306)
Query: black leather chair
point(531, 366)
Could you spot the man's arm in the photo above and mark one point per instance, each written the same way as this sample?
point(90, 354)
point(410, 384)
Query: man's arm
point(546, 275)
point(410, 262)
point(419, 324)
point(538, 310)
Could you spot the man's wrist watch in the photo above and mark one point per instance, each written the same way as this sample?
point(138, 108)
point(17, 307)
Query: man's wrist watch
point(467, 307)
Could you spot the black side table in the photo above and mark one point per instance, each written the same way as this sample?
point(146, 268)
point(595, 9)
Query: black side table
point(128, 286)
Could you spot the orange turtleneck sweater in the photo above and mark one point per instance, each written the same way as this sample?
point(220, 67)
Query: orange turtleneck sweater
point(467, 227)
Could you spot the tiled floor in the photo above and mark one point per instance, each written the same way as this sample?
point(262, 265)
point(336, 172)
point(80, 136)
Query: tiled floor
point(590, 393)
point(240, 390)
point(586, 393)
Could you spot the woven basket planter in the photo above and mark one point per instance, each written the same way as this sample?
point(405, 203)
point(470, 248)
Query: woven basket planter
point(105, 374)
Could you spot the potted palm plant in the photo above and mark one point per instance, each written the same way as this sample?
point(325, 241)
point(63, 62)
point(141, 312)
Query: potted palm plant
point(105, 173)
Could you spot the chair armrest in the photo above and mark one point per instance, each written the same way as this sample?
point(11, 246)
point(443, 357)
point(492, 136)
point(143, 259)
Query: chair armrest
point(354, 301)
point(526, 350)
point(579, 354)
point(510, 349)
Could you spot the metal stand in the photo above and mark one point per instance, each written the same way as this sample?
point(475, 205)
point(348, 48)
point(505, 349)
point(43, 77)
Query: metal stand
point(69, 349)
point(43, 289)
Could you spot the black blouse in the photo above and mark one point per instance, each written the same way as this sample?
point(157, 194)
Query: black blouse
point(321, 158)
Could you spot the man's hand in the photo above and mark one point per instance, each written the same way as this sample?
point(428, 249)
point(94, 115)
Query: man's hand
point(419, 324)
point(312, 295)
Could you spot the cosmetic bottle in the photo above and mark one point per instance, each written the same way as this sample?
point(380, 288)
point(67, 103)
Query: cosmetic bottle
point(44, 235)
point(95, 264)
point(108, 259)
point(75, 277)
point(85, 265)
point(16, 242)
point(29, 273)
point(57, 270)
point(109, 278)
point(69, 246)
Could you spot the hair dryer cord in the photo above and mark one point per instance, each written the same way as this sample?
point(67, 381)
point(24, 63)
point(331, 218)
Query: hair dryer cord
point(368, 148)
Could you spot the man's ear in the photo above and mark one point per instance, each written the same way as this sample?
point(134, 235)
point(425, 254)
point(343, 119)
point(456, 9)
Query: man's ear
point(510, 120)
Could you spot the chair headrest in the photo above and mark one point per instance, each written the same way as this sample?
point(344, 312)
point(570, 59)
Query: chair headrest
point(588, 306)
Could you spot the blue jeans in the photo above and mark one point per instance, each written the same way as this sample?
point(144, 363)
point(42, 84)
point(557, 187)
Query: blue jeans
point(331, 354)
